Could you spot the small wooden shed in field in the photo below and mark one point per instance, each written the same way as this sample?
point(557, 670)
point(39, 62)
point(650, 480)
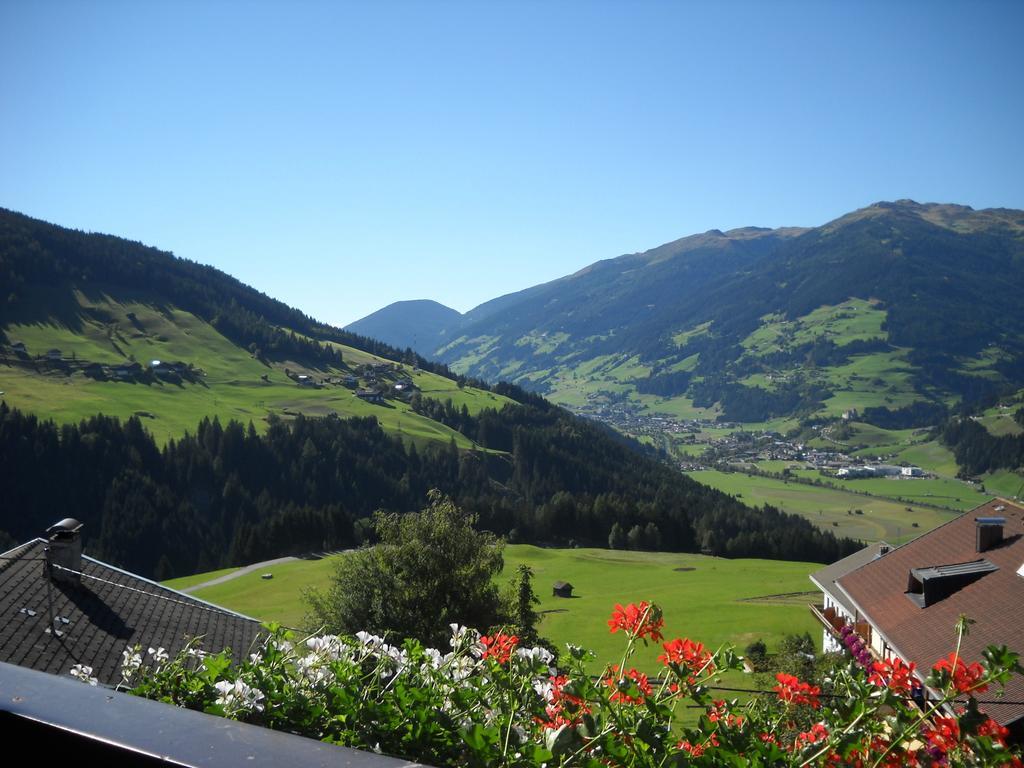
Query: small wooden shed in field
point(561, 589)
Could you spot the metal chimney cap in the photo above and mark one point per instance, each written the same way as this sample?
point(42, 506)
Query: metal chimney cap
point(990, 520)
point(64, 529)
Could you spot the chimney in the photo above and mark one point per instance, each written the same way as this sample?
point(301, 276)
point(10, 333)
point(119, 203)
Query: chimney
point(883, 550)
point(64, 549)
point(989, 532)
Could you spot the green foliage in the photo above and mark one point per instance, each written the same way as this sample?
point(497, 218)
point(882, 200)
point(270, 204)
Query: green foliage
point(493, 702)
point(757, 654)
point(519, 616)
point(227, 495)
point(429, 569)
point(978, 451)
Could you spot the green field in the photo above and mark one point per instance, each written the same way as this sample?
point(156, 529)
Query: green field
point(854, 319)
point(710, 599)
point(112, 329)
point(1004, 482)
point(831, 509)
point(185, 582)
point(939, 491)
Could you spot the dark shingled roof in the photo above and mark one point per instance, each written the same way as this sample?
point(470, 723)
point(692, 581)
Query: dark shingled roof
point(994, 600)
point(111, 610)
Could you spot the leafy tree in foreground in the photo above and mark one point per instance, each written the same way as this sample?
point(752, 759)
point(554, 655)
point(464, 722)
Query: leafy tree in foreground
point(428, 570)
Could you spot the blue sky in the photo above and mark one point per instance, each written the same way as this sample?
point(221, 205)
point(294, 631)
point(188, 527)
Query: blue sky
point(341, 156)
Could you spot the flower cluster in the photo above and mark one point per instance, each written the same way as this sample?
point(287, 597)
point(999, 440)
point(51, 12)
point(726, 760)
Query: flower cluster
point(691, 656)
point(893, 674)
point(855, 645)
point(83, 673)
point(643, 621)
point(564, 707)
point(489, 701)
point(238, 696)
point(629, 687)
point(792, 691)
point(499, 647)
point(966, 678)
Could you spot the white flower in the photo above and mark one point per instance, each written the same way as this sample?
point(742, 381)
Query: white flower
point(159, 654)
point(311, 670)
point(131, 660)
point(238, 696)
point(463, 635)
point(537, 653)
point(368, 640)
point(461, 668)
point(83, 673)
point(434, 658)
point(543, 687)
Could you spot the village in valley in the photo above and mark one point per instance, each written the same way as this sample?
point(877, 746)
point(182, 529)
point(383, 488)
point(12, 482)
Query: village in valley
point(732, 446)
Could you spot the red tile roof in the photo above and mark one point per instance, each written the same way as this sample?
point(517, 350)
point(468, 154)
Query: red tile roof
point(995, 601)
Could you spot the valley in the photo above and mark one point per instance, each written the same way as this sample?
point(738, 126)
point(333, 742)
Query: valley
point(768, 363)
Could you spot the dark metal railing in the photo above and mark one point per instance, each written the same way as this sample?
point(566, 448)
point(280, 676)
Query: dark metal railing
point(53, 715)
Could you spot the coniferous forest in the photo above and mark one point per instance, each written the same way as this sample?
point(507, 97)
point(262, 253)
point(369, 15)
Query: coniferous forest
point(227, 495)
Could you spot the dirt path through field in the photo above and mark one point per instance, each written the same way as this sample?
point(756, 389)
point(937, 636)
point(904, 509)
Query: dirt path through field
point(239, 572)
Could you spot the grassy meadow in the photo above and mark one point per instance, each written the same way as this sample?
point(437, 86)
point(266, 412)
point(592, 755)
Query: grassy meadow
point(834, 509)
point(110, 329)
point(710, 599)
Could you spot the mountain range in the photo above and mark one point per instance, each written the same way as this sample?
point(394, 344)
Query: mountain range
point(900, 307)
point(191, 422)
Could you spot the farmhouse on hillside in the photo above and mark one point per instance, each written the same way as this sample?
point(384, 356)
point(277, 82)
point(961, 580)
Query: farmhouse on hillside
point(906, 602)
point(370, 395)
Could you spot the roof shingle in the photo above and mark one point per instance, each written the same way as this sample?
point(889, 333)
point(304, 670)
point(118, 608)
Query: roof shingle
point(994, 600)
point(110, 611)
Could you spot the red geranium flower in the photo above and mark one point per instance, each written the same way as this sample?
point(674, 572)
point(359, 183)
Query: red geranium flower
point(687, 653)
point(499, 647)
point(965, 677)
point(817, 733)
point(563, 708)
point(641, 621)
point(991, 728)
point(894, 674)
point(616, 681)
point(792, 691)
point(944, 734)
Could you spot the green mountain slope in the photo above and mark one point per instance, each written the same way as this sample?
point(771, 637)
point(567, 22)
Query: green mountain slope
point(895, 304)
point(98, 299)
point(95, 324)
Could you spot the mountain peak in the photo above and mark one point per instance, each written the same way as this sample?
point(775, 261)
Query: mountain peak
point(392, 324)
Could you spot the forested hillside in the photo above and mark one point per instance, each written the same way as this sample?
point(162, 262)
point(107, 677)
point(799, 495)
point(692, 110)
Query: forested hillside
point(39, 260)
point(226, 495)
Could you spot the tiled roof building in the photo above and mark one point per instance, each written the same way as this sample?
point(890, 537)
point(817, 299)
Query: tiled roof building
point(907, 602)
point(99, 611)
